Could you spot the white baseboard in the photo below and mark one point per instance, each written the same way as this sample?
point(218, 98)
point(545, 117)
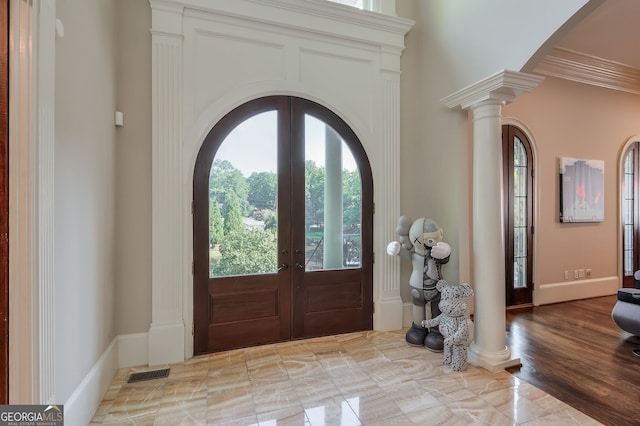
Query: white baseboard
point(166, 343)
point(128, 350)
point(565, 291)
point(133, 350)
point(85, 400)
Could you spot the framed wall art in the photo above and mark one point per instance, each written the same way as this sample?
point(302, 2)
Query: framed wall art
point(581, 190)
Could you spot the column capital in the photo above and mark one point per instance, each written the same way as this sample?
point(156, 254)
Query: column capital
point(489, 108)
point(502, 87)
point(166, 17)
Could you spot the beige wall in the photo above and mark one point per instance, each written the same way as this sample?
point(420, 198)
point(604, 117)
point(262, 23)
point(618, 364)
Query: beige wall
point(133, 159)
point(84, 225)
point(569, 119)
point(434, 147)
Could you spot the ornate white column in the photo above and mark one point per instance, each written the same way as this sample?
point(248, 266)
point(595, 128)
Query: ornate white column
point(485, 100)
point(167, 332)
point(31, 202)
point(388, 310)
point(488, 237)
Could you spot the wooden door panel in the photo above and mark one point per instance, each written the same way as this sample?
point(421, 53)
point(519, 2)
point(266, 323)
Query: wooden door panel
point(259, 304)
point(324, 291)
point(332, 302)
point(336, 322)
point(247, 311)
point(332, 296)
point(244, 334)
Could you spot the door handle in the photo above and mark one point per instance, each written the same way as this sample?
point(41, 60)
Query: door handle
point(283, 266)
point(299, 265)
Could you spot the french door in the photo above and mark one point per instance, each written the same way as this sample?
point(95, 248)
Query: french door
point(283, 224)
point(518, 216)
point(631, 215)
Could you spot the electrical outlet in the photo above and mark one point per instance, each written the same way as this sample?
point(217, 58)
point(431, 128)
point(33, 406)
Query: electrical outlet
point(575, 274)
point(587, 273)
point(566, 275)
point(580, 273)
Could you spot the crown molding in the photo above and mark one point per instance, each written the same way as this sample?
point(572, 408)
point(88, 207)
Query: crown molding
point(311, 16)
point(579, 67)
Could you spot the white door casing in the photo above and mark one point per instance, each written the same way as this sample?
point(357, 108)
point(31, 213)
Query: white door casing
point(210, 57)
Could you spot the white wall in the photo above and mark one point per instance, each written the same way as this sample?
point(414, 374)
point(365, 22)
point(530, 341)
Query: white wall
point(84, 189)
point(471, 40)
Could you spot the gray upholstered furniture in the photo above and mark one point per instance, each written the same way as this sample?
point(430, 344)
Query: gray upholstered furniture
point(626, 311)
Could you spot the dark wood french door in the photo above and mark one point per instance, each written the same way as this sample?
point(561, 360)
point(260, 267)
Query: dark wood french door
point(4, 202)
point(630, 194)
point(518, 216)
point(283, 224)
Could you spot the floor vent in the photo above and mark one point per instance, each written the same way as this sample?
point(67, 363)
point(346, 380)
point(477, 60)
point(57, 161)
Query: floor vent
point(148, 375)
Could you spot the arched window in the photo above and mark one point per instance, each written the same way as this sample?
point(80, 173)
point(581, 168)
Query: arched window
point(518, 215)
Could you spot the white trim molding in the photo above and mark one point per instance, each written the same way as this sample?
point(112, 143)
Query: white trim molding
point(31, 177)
point(81, 406)
point(124, 351)
point(503, 86)
point(209, 57)
point(166, 335)
point(579, 67)
point(565, 291)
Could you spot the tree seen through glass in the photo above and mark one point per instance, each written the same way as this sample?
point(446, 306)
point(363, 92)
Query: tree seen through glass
point(243, 193)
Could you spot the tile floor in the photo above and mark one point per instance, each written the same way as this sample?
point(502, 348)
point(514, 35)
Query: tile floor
point(364, 378)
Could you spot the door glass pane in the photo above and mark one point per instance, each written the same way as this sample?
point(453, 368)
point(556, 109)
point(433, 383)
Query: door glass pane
point(243, 200)
point(628, 216)
point(520, 213)
point(520, 272)
point(333, 200)
point(519, 153)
